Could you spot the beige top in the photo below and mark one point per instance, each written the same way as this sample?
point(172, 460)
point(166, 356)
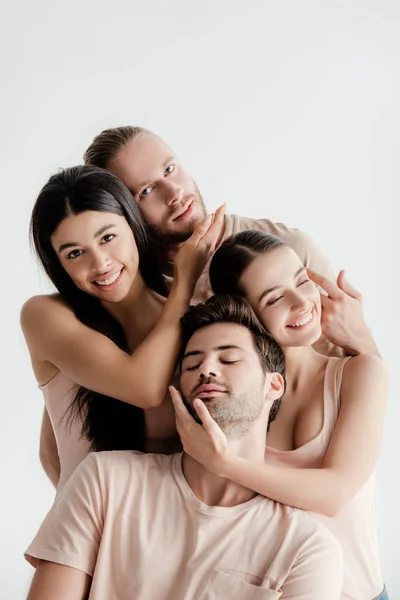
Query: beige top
point(72, 448)
point(355, 526)
point(132, 523)
point(310, 255)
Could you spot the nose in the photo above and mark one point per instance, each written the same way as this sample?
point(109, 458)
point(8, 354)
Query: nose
point(101, 261)
point(173, 192)
point(209, 368)
point(298, 301)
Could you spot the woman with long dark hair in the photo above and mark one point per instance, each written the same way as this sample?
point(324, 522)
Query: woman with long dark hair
point(104, 347)
point(324, 440)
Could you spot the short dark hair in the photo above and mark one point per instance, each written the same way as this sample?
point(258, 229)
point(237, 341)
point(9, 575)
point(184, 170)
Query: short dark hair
point(225, 308)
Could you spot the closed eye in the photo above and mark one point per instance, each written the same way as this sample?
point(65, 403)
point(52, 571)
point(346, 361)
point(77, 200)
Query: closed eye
point(229, 362)
point(303, 282)
point(272, 302)
point(193, 368)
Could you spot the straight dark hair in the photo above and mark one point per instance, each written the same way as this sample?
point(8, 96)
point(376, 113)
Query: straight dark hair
point(225, 308)
point(107, 423)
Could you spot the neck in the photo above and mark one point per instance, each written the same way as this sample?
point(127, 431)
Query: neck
point(138, 312)
point(169, 252)
point(301, 362)
point(215, 490)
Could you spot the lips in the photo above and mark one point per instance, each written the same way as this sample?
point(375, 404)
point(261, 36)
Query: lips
point(183, 210)
point(209, 388)
point(109, 279)
point(109, 282)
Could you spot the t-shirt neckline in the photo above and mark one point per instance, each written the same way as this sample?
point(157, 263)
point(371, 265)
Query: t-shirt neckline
point(198, 505)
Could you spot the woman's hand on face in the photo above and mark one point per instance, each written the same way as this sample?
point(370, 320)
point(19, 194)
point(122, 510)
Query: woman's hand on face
point(205, 443)
point(342, 317)
point(195, 253)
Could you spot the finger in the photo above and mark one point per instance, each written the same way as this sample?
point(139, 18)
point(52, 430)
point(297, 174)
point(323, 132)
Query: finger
point(326, 284)
point(182, 413)
point(348, 289)
point(200, 230)
point(213, 233)
point(208, 422)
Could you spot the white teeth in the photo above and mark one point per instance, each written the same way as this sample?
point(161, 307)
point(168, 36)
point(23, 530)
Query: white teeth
point(109, 281)
point(303, 322)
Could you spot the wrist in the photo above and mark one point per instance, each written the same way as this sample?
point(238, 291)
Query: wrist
point(228, 465)
point(182, 289)
point(363, 345)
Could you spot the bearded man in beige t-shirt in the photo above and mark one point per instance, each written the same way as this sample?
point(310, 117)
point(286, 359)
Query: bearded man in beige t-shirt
point(155, 527)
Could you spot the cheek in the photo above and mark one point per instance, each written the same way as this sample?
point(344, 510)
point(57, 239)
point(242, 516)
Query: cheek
point(186, 383)
point(75, 271)
point(272, 318)
point(153, 209)
point(317, 298)
point(125, 247)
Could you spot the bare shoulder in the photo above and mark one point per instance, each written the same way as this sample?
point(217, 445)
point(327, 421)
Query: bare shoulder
point(46, 319)
point(364, 365)
point(39, 308)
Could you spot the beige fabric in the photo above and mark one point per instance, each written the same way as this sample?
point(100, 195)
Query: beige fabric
point(58, 394)
point(131, 522)
point(354, 527)
point(310, 255)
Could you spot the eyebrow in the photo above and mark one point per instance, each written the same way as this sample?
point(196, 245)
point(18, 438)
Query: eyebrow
point(216, 349)
point(74, 244)
point(269, 290)
point(149, 181)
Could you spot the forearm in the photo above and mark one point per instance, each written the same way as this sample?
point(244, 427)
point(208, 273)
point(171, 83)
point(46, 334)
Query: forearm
point(161, 348)
point(318, 490)
point(364, 344)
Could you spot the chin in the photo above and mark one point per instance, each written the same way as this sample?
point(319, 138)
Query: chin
point(305, 340)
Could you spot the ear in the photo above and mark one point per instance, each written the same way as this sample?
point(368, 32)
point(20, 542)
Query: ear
point(274, 386)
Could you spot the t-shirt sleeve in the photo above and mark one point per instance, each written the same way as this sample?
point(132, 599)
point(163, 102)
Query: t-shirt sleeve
point(317, 572)
point(71, 532)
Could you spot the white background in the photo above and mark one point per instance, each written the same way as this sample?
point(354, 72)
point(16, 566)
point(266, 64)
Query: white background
point(287, 110)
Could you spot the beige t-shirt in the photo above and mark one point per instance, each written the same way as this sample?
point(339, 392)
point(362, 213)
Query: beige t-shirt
point(310, 255)
point(132, 523)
